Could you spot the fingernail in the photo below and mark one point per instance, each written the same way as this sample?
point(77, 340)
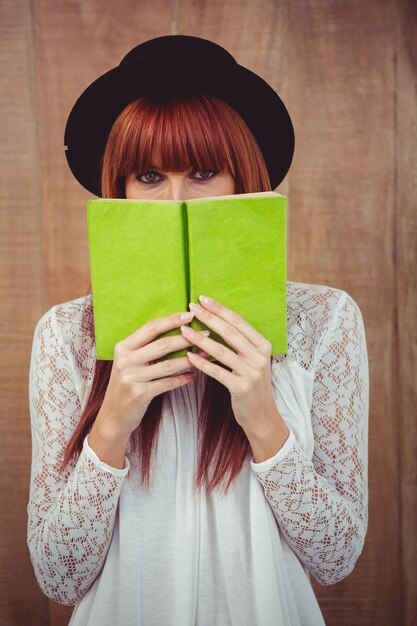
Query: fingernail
point(187, 317)
point(195, 307)
point(205, 332)
point(206, 300)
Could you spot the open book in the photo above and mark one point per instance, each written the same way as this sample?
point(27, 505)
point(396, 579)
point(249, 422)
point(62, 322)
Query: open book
point(150, 258)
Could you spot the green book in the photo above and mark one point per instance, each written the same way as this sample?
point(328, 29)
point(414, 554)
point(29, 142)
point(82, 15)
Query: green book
point(150, 258)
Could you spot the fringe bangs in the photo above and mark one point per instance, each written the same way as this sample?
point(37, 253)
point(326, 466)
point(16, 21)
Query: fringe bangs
point(173, 136)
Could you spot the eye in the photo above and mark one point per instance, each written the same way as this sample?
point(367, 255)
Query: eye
point(146, 175)
point(212, 172)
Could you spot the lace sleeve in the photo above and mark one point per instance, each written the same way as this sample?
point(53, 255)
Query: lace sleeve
point(321, 505)
point(71, 514)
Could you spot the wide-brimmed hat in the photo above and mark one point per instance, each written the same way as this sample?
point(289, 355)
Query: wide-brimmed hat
point(166, 65)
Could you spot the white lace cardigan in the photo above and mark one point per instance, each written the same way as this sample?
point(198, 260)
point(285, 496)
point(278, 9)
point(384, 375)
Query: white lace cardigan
point(302, 511)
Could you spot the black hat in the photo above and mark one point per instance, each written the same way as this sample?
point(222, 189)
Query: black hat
point(165, 65)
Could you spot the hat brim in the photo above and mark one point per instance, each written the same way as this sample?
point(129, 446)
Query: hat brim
point(92, 117)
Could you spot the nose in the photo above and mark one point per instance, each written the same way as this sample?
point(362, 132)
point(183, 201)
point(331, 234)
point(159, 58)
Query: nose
point(176, 188)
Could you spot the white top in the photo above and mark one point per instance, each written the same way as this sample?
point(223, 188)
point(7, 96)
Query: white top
point(176, 556)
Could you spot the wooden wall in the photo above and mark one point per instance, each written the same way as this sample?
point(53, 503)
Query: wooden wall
point(348, 74)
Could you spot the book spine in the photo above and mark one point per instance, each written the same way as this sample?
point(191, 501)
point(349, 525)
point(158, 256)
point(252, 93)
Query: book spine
point(186, 252)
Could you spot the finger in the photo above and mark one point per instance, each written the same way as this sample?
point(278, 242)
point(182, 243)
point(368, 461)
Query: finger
point(217, 350)
point(168, 384)
point(224, 377)
point(200, 353)
point(143, 335)
point(230, 317)
point(231, 334)
point(162, 369)
point(161, 347)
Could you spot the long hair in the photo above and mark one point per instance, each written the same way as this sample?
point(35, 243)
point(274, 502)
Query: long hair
point(183, 131)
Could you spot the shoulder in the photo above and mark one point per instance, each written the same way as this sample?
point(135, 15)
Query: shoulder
point(316, 304)
point(72, 318)
point(71, 324)
point(312, 310)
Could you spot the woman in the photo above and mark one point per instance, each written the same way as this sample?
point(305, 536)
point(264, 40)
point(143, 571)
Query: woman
point(287, 433)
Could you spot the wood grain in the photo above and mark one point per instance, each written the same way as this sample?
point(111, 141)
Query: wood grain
point(20, 295)
point(406, 260)
point(347, 72)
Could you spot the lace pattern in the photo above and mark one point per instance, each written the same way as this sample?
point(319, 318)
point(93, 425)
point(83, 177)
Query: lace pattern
point(70, 515)
point(320, 504)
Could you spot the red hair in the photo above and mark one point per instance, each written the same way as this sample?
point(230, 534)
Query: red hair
point(179, 132)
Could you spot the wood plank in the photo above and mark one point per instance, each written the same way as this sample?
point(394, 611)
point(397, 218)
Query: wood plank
point(406, 252)
point(20, 295)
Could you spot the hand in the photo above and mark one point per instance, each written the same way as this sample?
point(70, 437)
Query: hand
point(249, 382)
point(135, 379)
